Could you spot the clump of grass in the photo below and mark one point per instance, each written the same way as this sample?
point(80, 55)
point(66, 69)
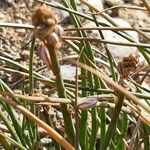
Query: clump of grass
point(102, 109)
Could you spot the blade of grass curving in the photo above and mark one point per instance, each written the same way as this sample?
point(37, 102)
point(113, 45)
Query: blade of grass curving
point(110, 58)
point(62, 94)
point(31, 126)
point(91, 84)
point(25, 122)
point(112, 125)
point(76, 110)
point(16, 124)
point(92, 139)
point(126, 36)
point(4, 142)
point(83, 120)
point(46, 127)
point(124, 127)
point(146, 136)
point(146, 4)
point(102, 113)
point(48, 120)
point(115, 86)
point(9, 126)
point(31, 80)
point(19, 146)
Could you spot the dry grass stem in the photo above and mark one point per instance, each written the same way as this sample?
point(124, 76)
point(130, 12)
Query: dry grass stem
point(106, 41)
point(146, 4)
point(57, 137)
point(115, 85)
point(37, 98)
point(109, 28)
point(121, 6)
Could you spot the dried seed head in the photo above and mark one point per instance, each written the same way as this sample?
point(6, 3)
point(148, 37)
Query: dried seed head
point(59, 31)
point(47, 29)
point(54, 39)
point(43, 16)
point(127, 66)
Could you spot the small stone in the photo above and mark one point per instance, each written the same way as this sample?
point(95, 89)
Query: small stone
point(7, 55)
point(1, 16)
point(117, 50)
point(52, 112)
point(46, 141)
point(98, 4)
point(18, 21)
point(25, 55)
point(59, 115)
point(1, 73)
point(20, 16)
point(60, 14)
point(29, 3)
point(113, 2)
point(8, 2)
point(68, 71)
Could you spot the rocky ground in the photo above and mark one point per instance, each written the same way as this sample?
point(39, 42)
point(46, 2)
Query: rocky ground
point(13, 41)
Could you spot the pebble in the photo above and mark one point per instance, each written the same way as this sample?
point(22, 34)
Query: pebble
point(46, 141)
point(1, 16)
point(113, 2)
point(7, 55)
point(68, 71)
point(98, 4)
point(18, 21)
point(8, 2)
point(20, 16)
point(25, 55)
point(61, 15)
point(59, 115)
point(117, 51)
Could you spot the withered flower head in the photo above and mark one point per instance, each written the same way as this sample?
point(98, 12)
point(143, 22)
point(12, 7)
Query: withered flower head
point(126, 66)
point(55, 38)
point(46, 28)
point(43, 15)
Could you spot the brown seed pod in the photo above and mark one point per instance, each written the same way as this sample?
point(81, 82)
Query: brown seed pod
point(46, 27)
point(43, 16)
point(55, 37)
point(127, 66)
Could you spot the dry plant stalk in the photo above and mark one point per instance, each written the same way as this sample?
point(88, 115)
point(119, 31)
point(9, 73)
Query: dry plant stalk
point(55, 135)
point(47, 30)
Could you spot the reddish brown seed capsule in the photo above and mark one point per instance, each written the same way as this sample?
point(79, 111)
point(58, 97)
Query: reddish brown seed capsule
point(46, 27)
point(127, 66)
point(43, 16)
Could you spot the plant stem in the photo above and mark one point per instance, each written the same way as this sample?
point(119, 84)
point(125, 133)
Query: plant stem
point(62, 94)
point(113, 123)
